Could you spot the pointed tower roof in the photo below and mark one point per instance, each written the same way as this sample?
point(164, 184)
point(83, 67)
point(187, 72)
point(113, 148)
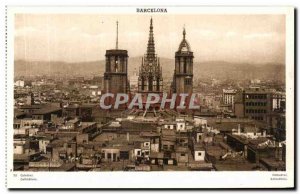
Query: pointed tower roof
point(184, 45)
point(151, 45)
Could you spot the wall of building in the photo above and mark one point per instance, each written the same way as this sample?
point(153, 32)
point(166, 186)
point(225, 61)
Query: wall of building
point(239, 110)
point(18, 149)
point(43, 145)
point(111, 154)
point(182, 158)
point(199, 155)
point(180, 126)
point(82, 138)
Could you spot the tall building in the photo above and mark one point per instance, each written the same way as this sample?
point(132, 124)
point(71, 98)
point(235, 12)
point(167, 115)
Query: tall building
point(183, 74)
point(253, 103)
point(228, 96)
point(115, 76)
point(150, 73)
point(30, 99)
point(265, 105)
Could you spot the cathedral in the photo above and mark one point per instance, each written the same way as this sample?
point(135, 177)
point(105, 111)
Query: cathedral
point(150, 78)
point(150, 73)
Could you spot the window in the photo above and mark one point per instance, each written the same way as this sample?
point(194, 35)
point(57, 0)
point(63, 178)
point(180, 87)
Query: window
point(188, 81)
point(199, 154)
point(138, 153)
point(109, 155)
point(199, 136)
point(182, 154)
point(165, 147)
point(147, 153)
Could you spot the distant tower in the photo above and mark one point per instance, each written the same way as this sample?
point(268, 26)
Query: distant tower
point(115, 76)
point(183, 74)
point(30, 99)
point(150, 72)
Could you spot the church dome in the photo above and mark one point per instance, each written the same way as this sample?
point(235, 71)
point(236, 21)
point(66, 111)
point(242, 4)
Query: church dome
point(184, 45)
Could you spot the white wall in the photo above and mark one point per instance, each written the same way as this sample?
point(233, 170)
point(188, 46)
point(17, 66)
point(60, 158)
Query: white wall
point(199, 155)
point(180, 126)
point(18, 149)
point(200, 121)
point(199, 137)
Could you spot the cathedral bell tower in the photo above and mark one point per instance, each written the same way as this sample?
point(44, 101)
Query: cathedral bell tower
point(183, 74)
point(115, 76)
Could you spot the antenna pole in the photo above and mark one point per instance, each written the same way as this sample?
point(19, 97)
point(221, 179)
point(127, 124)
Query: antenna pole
point(117, 35)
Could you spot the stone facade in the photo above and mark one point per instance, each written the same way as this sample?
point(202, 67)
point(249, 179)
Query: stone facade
point(183, 74)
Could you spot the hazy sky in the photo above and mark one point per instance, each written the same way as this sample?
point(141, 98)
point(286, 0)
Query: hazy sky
point(78, 37)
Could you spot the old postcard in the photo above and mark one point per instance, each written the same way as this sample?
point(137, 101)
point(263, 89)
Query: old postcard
point(150, 97)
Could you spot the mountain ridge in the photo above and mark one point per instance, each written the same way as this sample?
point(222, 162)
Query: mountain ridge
point(215, 69)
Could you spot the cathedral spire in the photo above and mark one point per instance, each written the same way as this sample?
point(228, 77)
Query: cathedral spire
point(150, 47)
point(184, 33)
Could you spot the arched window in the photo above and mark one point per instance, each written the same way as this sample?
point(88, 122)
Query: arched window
point(184, 66)
point(116, 65)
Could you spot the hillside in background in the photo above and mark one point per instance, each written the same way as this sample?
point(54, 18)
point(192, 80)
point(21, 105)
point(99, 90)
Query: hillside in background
point(210, 69)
